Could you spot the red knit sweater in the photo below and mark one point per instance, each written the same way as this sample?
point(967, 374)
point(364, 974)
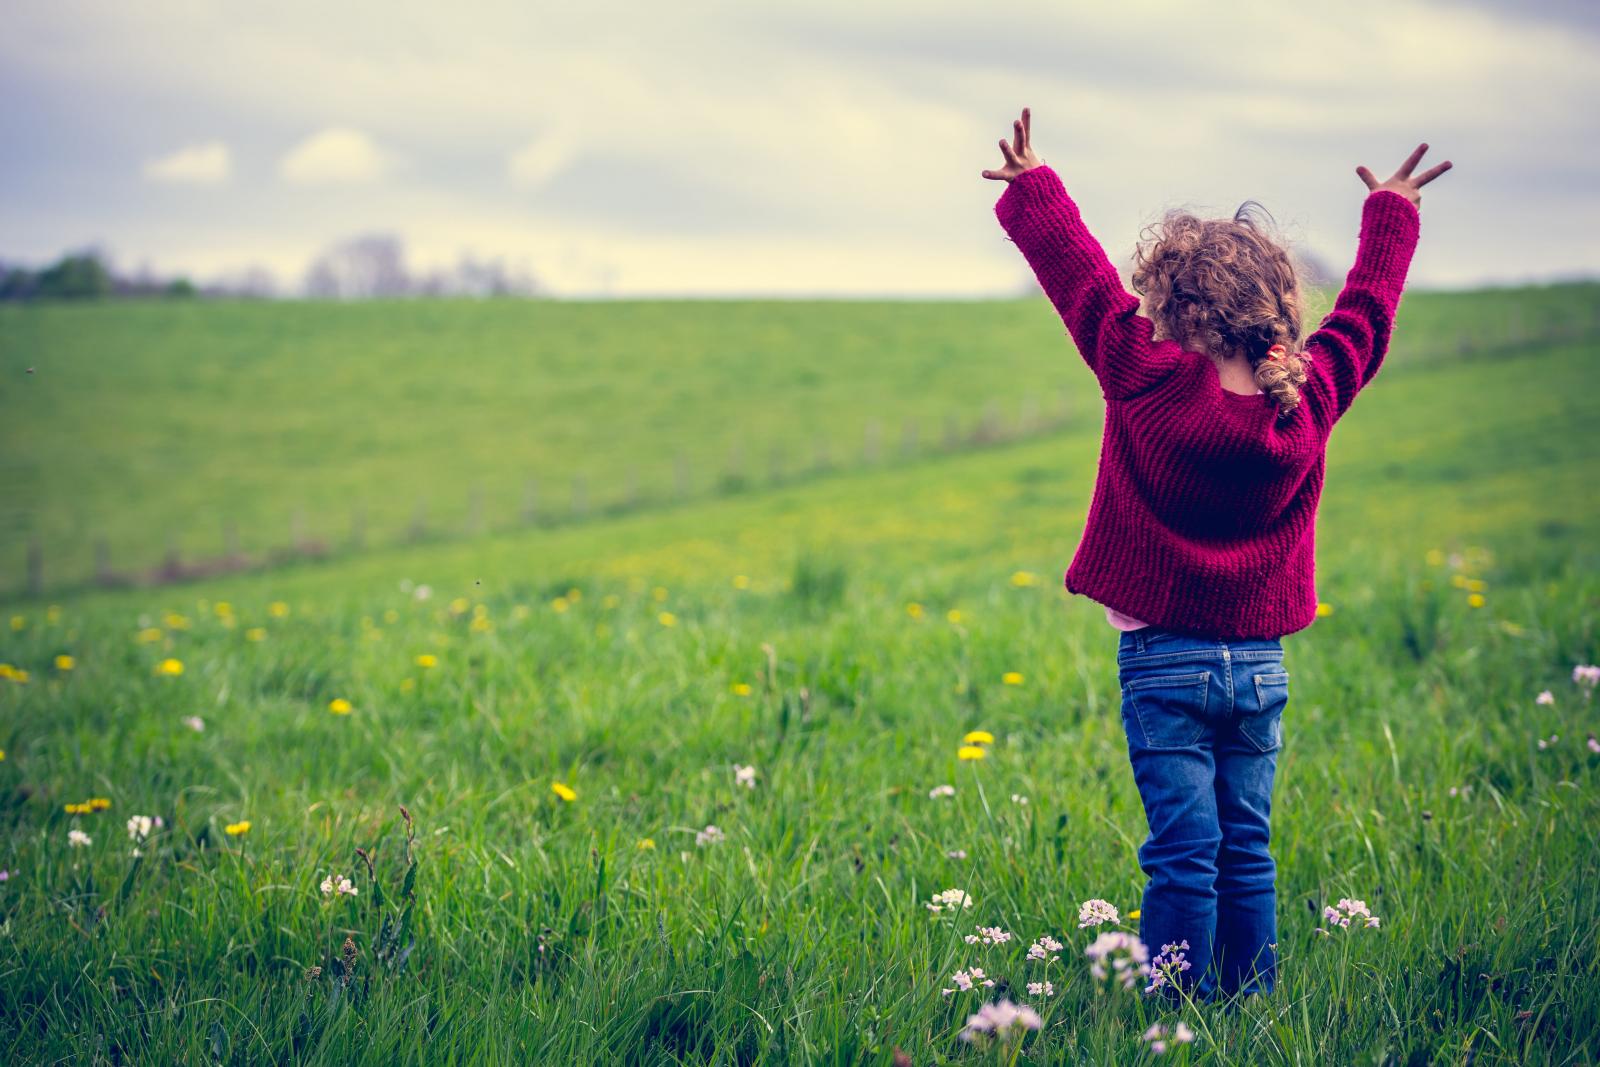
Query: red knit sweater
point(1204, 510)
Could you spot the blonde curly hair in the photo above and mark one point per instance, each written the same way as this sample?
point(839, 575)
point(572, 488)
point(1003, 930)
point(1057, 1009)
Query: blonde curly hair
point(1221, 286)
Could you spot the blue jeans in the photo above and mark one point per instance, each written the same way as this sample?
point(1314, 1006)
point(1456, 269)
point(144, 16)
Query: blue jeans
point(1204, 720)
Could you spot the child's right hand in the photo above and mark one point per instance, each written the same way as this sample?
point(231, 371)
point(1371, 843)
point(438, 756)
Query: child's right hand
point(1401, 180)
point(1019, 155)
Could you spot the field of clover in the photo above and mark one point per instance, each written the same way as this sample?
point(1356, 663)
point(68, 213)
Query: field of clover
point(832, 773)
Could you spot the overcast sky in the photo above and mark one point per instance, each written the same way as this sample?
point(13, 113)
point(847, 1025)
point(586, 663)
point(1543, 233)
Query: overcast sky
point(786, 146)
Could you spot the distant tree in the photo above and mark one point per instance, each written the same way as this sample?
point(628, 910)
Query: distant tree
point(180, 289)
point(359, 268)
point(76, 276)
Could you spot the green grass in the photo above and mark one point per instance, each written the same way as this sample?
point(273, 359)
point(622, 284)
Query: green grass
point(160, 426)
point(544, 933)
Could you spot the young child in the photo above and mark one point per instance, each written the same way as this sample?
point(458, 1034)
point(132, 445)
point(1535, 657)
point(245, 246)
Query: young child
point(1199, 541)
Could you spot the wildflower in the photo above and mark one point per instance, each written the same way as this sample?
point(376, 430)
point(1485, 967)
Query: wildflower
point(914, 610)
point(278, 609)
point(195, 723)
point(459, 605)
point(2, 755)
point(427, 661)
point(564, 791)
point(170, 667)
point(99, 803)
point(971, 752)
point(950, 899)
point(1011, 678)
point(1594, 746)
point(956, 854)
point(148, 636)
point(659, 593)
point(667, 618)
point(1158, 1036)
point(1545, 697)
point(1546, 743)
point(988, 935)
point(1096, 912)
point(1134, 914)
point(1475, 600)
point(5, 875)
point(1045, 949)
point(480, 625)
point(941, 791)
point(78, 809)
point(234, 829)
point(741, 581)
point(1460, 791)
point(139, 826)
point(1587, 678)
point(65, 662)
point(1126, 955)
point(1168, 965)
point(978, 737)
point(647, 844)
point(423, 592)
point(1024, 579)
point(1347, 911)
point(339, 706)
point(745, 776)
point(1000, 1019)
point(341, 886)
point(954, 616)
point(255, 633)
point(175, 621)
point(18, 622)
point(711, 835)
point(741, 689)
point(1324, 610)
point(79, 839)
point(1019, 800)
point(1041, 989)
point(968, 979)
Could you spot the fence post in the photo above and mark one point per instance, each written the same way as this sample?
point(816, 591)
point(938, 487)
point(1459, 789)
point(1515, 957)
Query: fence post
point(35, 568)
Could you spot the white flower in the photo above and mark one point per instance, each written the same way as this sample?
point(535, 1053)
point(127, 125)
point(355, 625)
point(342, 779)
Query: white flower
point(1041, 989)
point(965, 980)
point(1545, 697)
point(79, 839)
point(1045, 949)
point(139, 827)
point(745, 776)
point(422, 592)
point(988, 935)
point(999, 1019)
point(711, 835)
point(195, 723)
point(942, 791)
point(338, 885)
point(1018, 798)
point(1096, 912)
point(957, 854)
point(953, 899)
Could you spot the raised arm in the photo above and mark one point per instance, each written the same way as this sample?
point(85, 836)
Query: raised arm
point(1102, 317)
point(1349, 346)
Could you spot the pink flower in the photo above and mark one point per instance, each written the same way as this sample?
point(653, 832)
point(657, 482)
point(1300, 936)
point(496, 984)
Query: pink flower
point(1545, 697)
point(1045, 949)
point(1168, 965)
point(988, 935)
point(1096, 912)
point(965, 980)
point(1347, 910)
point(1000, 1019)
point(1120, 955)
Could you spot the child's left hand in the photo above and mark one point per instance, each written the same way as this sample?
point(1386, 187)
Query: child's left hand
point(1019, 154)
point(1401, 180)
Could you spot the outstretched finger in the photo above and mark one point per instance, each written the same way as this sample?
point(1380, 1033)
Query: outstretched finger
point(1412, 161)
point(1011, 157)
point(994, 175)
point(1027, 127)
point(1429, 175)
point(1366, 175)
point(1019, 138)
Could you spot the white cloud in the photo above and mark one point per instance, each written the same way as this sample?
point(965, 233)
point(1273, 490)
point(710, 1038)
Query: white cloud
point(336, 156)
point(208, 163)
point(540, 160)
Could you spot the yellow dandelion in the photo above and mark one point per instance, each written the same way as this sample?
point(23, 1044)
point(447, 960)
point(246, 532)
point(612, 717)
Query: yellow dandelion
point(170, 667)
point(1477, 585)
point(1011, 678)
point(970, 752)
point(223, 608)
point(559, 604)
point(234, 829)
point(574, 594)
point(7, 671)
point(978, 737)
point(741, 689)
point(1435, 558)
point(741, 581)
point(278, 609)
point(1475, 600)
point(65, 662)
point(392, 616)
point(914, 610)
point(18, 622)
point(149, 635)
point(2, 755)
point(659, 592)
point(459, 605)
point(427, 661)
point(646, 844)
point(1324, 610)
point(255, 633)
point(610, 600)
point(99, 803)
point(1458, 580)
point(19, 676)
point(53, 613)
point(175, 621)
point(1135, 913)
point(667, 618)
point(564, 791)
point(480, 625)
point(519, 612)
point(480, 611)
point(1024, 579)
point(340, 706)
point(77, 809)
point(954, 615)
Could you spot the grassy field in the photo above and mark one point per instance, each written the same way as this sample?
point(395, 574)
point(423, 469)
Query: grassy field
point(562, 713)
point(161, 426)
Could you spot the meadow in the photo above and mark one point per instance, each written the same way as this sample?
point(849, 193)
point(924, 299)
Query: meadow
point(669, 786)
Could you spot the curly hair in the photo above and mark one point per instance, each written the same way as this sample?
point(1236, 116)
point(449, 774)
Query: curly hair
point(1225, 286)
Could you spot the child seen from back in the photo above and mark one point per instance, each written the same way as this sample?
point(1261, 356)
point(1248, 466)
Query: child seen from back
point(1200, 535)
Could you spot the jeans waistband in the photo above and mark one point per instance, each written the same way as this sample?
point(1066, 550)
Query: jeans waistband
point(1154, 643)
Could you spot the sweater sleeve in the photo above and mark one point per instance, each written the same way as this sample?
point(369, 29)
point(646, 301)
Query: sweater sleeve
point(1102, 317)
point(1349, 346)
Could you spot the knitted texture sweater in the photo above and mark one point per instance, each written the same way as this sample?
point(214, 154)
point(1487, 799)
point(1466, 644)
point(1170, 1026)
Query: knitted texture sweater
point(1204, 510)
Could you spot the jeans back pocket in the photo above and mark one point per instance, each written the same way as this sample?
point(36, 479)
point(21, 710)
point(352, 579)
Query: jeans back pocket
point(1263, 726)
point(1168, 710)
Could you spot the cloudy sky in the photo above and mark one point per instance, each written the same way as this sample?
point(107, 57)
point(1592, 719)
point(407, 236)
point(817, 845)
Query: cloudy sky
point(789, 146)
